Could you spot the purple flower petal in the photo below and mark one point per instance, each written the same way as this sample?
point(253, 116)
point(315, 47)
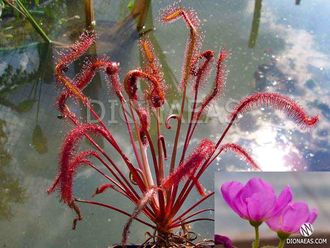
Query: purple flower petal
point(312, 216)
point(259, 204)
point(290, 219)
point(275, 222)
point(256, 201)
point(294, 216)
point(229, 191)
point(255, 185)
point(249, 209)
point(283, 200)
point(240, 206)
point(223, 240)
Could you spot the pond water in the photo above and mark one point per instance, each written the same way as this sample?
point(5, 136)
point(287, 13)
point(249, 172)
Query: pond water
point(289, 53)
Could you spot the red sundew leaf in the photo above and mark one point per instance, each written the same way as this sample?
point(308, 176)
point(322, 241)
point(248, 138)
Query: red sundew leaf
point(78, 217)
point(88, 70)
point(60, 101)
point(75, 162)
point(67, 152)
point(144, 118)
point(200, 154)
point(152, 65)
point(240, 151)
point(100, 189)
point(194, 40)
point(199, 187)
point(277, 101)
point(173, 13)
point(113, 80)
point(156, 93)
point(86, 39)
point(168, 119)
point(219, 83)
point(202, 71)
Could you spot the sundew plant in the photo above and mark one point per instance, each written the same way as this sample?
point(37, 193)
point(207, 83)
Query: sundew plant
point(159, 182)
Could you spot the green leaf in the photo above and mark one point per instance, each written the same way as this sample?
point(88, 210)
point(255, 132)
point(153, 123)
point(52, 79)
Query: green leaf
point(25, 106)
point(2, 6)
point(39, 140)
point(131, 4)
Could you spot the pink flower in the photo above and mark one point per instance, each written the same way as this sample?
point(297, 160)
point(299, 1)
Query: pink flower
point(289, 220)
point(256, 201)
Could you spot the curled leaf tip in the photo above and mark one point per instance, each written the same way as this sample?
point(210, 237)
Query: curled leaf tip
point(277, 101)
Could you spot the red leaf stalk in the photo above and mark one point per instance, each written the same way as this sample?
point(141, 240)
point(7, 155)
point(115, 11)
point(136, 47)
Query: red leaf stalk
point(191, 215)
point(144, 117)
point(201, 73)
point(115, 209)
point(177, 207)
point(145, 163)
point(142, 204)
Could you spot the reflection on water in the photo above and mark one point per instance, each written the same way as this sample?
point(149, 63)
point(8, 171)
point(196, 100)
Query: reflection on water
point(255, 23)
point(291, 56)
point(10, 189)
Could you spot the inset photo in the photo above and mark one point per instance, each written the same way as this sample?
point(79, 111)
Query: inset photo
point(272, 209)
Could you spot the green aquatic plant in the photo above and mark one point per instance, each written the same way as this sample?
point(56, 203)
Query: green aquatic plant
point(19, 6)
point(158, 187)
